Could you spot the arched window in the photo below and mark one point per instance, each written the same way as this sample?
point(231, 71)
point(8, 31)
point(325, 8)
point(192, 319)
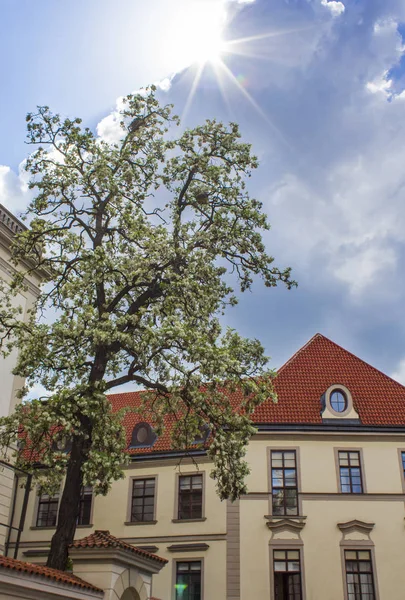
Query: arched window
point(143, 436)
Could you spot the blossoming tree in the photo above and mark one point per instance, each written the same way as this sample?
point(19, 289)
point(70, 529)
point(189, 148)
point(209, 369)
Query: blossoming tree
point(142, 242)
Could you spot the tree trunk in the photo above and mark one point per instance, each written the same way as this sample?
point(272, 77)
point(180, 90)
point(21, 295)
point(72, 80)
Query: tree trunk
point(69, 507)
point(70, 501)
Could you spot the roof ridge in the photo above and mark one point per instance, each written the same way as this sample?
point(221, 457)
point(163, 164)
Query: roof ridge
point(304, 347)
point(362, 360)
point(104, 536)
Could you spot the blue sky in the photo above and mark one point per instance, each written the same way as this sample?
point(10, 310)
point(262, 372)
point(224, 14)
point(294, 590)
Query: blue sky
point(322, 102)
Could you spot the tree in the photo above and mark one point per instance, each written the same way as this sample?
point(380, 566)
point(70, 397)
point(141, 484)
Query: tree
point(140, 240)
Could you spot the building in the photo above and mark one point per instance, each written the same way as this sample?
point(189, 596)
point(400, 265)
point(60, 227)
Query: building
point(323, 518)
point(10, 384)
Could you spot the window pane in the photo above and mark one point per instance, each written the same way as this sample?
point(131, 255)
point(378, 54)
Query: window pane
point(185, 483)
point(354, 458)
point(196, 482)
point(280, 566)
point(289, 456)
point(290, 478)
point(277, 478)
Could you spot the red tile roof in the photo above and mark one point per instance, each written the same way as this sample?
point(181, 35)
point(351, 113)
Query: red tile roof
point(300, 383)
point(53, 574)
point(103, 539)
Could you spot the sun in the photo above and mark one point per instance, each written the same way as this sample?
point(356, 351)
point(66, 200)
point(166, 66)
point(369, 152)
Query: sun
point(197, 34)
point(207, 44)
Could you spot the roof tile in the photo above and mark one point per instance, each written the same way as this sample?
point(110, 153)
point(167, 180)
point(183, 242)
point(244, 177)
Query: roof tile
point(42, 571)
point(103, 539)
point(300, 383)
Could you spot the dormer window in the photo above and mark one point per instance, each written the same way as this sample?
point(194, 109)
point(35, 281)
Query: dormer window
point(202, 436)
point(338, 401)
point(337, 405)
point(143, 436)
point(62, 444)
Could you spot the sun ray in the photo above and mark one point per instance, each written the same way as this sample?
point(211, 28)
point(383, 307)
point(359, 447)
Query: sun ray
point(194, 86)
point(222, 88)
point(253, 102)
point(263, 36)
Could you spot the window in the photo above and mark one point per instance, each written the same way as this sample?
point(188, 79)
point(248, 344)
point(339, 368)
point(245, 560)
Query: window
point(338, 401)
point(350, 473)
point(359, 575)
point(202, 436)
point(143, 436)
point(188, 580)
point(403, 463)
point(143, 499)
point(190, 496)
point(86, 497)
point(287, 575)
point(284, 482)
point(47, 510)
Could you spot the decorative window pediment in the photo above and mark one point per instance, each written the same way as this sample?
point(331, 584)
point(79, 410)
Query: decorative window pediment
point(277, 524)
point(356, 525)
point(356, 531)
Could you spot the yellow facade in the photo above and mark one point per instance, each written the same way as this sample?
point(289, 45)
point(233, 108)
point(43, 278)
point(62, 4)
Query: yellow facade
point(237, 564)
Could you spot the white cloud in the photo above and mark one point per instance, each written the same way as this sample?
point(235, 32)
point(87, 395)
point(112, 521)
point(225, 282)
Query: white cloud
point(380, 85)
point(399, 373)
point(337, 205)
point(336, 8)
point(14, 193)
point(109, 129)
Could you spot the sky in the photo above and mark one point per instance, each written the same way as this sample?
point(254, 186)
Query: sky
point(318, 88)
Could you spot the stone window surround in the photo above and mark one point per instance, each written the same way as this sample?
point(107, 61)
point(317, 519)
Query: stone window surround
point(129, 503)
point(336, 451)
point(349, 399)
point(287, 545)
point(174, 572)
point(269, 478)
point(35, 512)
point(358, 545)
point(176, 497)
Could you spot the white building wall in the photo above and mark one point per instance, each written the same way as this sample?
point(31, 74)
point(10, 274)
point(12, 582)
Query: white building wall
point(10, 384)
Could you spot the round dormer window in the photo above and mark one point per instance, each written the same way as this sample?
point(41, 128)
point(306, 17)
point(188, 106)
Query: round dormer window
point(142, 436)
point(338, 401)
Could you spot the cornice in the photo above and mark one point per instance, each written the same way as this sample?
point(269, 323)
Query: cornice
point(7, 268)
point(9, 222)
